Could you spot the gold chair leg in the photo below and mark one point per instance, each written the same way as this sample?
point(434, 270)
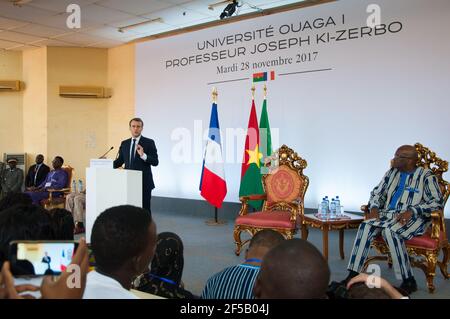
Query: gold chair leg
point(443, 265)
point(431, 271)
point(237, 240)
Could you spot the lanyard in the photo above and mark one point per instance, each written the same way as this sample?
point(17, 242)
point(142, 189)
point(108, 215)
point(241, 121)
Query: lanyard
point(163, 279)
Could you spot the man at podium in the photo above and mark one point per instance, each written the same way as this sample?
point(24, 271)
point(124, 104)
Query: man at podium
point(139, 153)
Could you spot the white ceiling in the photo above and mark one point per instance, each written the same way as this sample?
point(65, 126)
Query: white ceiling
point(40, 23)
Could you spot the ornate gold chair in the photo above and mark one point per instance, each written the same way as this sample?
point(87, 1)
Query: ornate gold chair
point(57, 197)
point(285, 187)
point(424, 250)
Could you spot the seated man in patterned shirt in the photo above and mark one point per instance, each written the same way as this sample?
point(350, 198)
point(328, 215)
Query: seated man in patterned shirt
point(56, 179)
point(400, 208)
point(236, 282)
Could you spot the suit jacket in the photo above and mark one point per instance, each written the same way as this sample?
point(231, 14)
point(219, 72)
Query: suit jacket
point(41, 174)
point(123, 157)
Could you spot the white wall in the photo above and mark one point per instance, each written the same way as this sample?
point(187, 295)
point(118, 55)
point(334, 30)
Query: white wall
point(383, 91)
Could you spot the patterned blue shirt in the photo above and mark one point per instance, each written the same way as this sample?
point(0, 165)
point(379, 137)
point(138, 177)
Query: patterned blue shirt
point(234, 282)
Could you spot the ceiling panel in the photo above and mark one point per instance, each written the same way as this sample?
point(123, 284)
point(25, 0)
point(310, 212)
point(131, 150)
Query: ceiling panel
point(58, 6)
point(104, 15)
point(7, 24)
point(136, 7)
point(176, 16)
point(23, 13)
point(60, 21)
point(54, 43)
point(41, 31)
point(17, 37)
point(6, 44)
point(81, 38)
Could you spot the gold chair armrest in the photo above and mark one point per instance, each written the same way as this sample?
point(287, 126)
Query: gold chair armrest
point(365, 210)
point(245, 199)
point(52, 190)
point(62, 190)
point(436, 224)
point(253, 197)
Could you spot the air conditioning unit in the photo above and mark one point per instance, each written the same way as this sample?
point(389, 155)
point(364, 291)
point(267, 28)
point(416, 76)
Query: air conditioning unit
point(84, 92)
point(10, 86)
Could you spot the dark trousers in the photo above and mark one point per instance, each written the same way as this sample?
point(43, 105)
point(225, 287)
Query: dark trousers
point(146, 198)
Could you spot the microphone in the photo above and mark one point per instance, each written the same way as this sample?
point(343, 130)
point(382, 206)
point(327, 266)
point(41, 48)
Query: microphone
point(112, 147)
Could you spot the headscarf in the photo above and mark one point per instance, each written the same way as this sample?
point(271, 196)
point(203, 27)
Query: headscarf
point(164, 278)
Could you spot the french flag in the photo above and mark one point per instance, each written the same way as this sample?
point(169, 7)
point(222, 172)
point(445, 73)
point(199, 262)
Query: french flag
point(213, 186)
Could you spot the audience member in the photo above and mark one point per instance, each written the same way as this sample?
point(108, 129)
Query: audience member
point(76, 204)
point(56, 179)
point(164, 278)
point(13, 199)
point(294, 269)
point(237, 282)
point(366, 286)
point(123, 243)
point(23, 222)
point(37, 172)
point(63, 224)
point(12, 179)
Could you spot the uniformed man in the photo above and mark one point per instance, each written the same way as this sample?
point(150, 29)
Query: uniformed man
point(12, 178)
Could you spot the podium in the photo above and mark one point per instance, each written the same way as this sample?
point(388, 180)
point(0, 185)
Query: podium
point(107, 187)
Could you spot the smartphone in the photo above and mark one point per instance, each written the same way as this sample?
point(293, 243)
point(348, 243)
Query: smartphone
point(40, 258)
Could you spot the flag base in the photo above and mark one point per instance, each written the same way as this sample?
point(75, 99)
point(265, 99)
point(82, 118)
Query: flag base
point(213, 222)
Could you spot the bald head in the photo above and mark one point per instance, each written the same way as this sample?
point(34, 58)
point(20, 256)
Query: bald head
point(405, 158)
point(262, 242)
point(294, 269)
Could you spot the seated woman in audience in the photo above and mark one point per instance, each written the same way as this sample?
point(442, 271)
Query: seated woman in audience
point(164, 278)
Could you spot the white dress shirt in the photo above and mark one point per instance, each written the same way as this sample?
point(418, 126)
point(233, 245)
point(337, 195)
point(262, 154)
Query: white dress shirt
point(144, 156)
point(99, 286)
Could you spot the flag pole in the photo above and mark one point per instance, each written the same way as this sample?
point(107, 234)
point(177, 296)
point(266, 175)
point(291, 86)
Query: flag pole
point(216, 221)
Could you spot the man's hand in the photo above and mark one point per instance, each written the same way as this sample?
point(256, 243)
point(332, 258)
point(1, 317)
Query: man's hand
point(370, 280)
point(7, 288)
point(404, 217)
point(140, 150)
point(374, 213)
point(60, 289)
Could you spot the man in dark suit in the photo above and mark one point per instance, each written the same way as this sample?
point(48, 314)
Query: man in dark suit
point(37, 172)
point(139, 153)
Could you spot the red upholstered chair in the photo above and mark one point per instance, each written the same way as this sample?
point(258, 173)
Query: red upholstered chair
point(285, 187)
point(423, 250)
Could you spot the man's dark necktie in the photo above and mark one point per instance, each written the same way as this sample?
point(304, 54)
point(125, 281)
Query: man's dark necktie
point(132, 153)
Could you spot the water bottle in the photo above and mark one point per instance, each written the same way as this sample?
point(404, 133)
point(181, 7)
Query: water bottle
point(80, 185)
point(74, 186)
point(333, 209)
point(323, 207)
point(338, 206)
point(327, 201)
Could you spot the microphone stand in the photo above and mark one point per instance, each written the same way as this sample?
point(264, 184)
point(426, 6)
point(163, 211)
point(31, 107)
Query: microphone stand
point(112, 147)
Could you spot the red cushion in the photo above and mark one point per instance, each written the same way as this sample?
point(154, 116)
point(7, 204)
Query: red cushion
point(272, 219)
point(425, 241)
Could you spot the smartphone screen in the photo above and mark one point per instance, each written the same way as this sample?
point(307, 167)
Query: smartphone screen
point(40, 258)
